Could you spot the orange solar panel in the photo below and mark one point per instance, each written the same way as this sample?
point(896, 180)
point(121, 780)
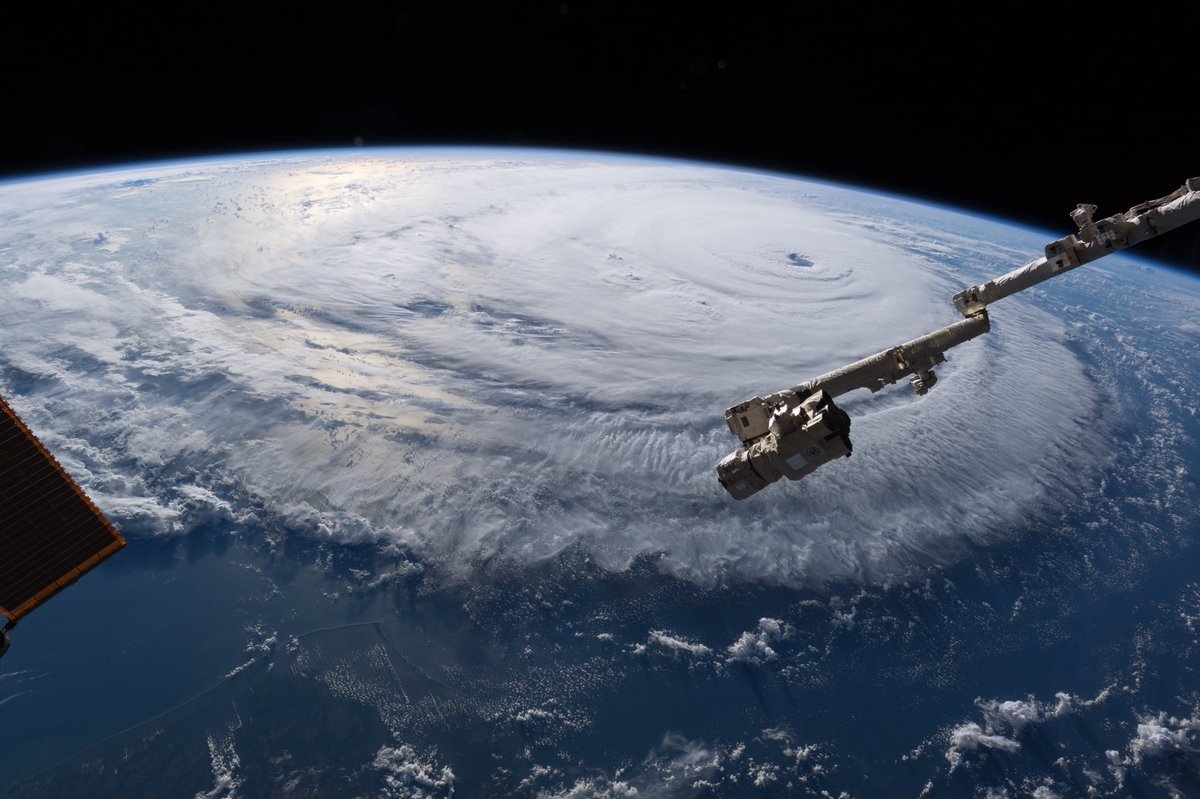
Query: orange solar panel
point(50, 532)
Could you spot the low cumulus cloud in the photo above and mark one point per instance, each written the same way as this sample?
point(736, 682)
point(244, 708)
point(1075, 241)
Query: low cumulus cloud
point(755, 646)
point(1014, 733)
point(1161, 735)
point(664, 642)
point(1003, 722)
point(970, 737)
point(681, 767)
point(407, 774)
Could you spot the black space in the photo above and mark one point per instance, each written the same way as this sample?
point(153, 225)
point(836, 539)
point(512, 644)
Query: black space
point(1017, 112)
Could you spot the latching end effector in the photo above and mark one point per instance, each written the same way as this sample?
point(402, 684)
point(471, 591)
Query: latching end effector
point(786, 435)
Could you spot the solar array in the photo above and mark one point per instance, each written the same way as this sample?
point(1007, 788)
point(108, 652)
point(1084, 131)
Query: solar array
point(50, 532)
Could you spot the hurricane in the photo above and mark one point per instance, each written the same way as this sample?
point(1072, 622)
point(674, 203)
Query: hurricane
point(469, 355)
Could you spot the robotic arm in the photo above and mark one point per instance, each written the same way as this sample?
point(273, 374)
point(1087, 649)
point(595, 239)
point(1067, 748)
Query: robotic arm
point(792, 432)
point(1095, 240)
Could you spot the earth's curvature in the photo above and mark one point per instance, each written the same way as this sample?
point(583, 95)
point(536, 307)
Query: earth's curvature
point(415, 451)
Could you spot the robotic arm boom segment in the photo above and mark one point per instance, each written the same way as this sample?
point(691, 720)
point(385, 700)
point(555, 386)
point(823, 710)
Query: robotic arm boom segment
point(792, 432)
point(1096, 239)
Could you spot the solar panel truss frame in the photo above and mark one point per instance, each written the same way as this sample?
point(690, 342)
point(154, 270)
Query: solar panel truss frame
point(34, 488)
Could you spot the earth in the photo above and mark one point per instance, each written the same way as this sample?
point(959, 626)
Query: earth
point(415, 454)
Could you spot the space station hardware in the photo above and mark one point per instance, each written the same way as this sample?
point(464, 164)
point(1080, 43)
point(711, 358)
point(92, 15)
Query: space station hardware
point(50, 531)
point(1096, 239)
point(798, 435)
point(792, 432)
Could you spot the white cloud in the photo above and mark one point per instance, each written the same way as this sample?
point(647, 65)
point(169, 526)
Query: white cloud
point(754, 646)
point(674, 644)
point(408, 775)
point(970, 737)
point(1004, 722)
point(225, 763)
point(538, 353)
point(594, 788)
point(684, 767)
point(1017, 714)
point(1161, 735)
point(1005, 719)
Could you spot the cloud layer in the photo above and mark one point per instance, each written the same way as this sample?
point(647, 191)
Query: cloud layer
point(471, 354)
